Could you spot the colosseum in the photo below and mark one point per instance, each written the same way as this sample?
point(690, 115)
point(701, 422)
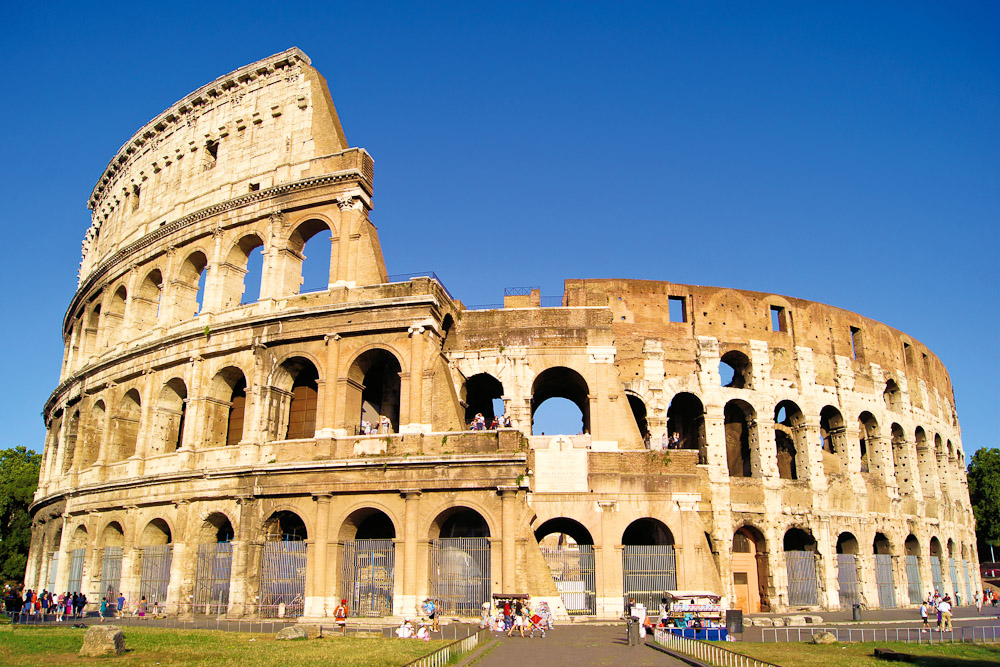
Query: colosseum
point(249, 445)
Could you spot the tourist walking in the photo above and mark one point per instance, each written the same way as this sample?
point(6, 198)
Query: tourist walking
point(925, 626)
point(944, 608)
point(340, 615)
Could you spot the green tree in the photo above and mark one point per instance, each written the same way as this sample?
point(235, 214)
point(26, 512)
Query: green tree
point(18, 480)
point(984, 492)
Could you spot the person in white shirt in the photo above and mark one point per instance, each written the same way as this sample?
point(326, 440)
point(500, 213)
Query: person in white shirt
point(945, 608)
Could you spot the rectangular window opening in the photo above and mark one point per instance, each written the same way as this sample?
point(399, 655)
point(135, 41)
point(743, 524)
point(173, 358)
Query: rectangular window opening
point(779, 321)
point(135, 198)
point(678, 309)
point(856, 351)
point(211, 153)
point(927, 365)
point(254, 187)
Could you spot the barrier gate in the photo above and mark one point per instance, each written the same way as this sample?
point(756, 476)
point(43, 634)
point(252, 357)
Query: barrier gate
point(368, 576)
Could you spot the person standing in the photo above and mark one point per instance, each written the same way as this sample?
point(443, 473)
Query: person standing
point(340, 614)
point(979, 603)
point(103, 609)
point(925, 626)
point(121, 604)
point(944, 607)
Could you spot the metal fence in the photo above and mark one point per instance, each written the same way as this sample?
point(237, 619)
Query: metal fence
point(963, 634)
point(75, 583)
point(460, 574)
point(648, 571)
point(847, 577)
point(711, 654)
point(53, 567)
point(111, 572)
point(914, 587)
point(211, 580)
point(936, 577)
point(368, 576)
point(885, 581)
point(155, 572)
point(283, 579)
point(803, 587)
point(572, 569)
point(447, 654)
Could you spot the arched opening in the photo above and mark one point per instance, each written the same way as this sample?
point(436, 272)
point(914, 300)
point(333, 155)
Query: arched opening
point(649, 563)
point(225, 411)
point(374, 392)
point(914, 587)
point(789, 434)
point(735, 370)
point(214, 566)
point(53, 559)
point(749, 564)
point(155, 558)
point(926, 464)
point(686, 425)
point(800, 565)
point(77, 553)
point(460, 561)
point(114, 317)
point(302, 398)
point(244, 267)
point(884, 578)
point(953, 571)
point(833, 440)
point(892, 396)
point(146, 301)
point(90, 331)
point(69, 441)
point(368, 562)
point(109, 548)
point(93, 432)
point(560, 383)
point(639, 414)
point(847, 570)
point(901, 461)
point(189, 287)
point(483, 396)
point(568, 550)
point(741, 437)
point(868, 434)
point(937, 578)
point(171, 408)
point(312, 247)
point(283, 566)
point(125, 426)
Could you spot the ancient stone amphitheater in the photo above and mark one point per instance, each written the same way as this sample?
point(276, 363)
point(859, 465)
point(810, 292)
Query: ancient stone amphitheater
point(205, 444)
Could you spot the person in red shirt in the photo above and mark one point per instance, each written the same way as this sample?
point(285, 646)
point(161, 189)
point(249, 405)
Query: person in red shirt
point(340, 614)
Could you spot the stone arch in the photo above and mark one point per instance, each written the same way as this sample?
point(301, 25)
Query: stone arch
point(868, 434)
point(91, 329)
point(479, 393)
point(156, 532)
point(799, 539)
point(225, 409)
point(900, 459)
point(125, 426)
point(750, 569)
point(741, 437)
point(911, 547)
point(79, 538)
point(833, 439)
point(647, 531)
point(374, 389)
point(881, 545)
point(566, 383)
point(147, 299)
point(638, 407)
point(847, 543)
point(168, 417)
point(93, 432)
point(112, 535)
point(216, 528)
point(789, 439)
point(564, 529)
point(367, 523)
point(296, 382)
point(114, 317)
point(736, 370)
point(189, 285)
point(892, 396)
point(312, 236)
point(925, 462)
point(686, 424)
point(240, 272)
point(285, 525)
point(460, 521)
point(69, 440)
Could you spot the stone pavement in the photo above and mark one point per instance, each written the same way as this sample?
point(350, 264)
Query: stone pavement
point(576, 645)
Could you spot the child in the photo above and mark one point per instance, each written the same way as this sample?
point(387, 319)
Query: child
point(103, 609)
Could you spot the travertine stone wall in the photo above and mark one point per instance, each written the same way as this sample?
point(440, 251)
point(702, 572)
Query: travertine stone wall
point(182, 408)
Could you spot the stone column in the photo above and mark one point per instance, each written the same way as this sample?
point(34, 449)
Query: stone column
point(328, 395)
point(239, 589)
point(411, 539)
point(766, 450)
point(350, 214)
point(57, 472)
point(180, 590)
point(508, 539)
point(317, 598)
point(414, 386)
point(609, 564)
point(128, 583)
point(62, 569)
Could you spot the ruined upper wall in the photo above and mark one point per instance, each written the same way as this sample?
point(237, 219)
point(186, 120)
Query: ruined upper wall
point(257, 127)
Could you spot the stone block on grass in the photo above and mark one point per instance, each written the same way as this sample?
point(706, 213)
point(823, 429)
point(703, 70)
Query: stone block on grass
point(824, 638)
point(103, 640)
point(291, 633)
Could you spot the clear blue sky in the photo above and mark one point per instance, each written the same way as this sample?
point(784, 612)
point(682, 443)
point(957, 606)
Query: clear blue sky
point(842, 152)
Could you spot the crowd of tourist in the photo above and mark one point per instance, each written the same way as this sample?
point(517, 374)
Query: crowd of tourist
point(382, 427)
point(44, 605)
point(478, 422)
point(516, 614)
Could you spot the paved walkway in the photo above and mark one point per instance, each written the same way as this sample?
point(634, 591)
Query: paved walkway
point(576, 645)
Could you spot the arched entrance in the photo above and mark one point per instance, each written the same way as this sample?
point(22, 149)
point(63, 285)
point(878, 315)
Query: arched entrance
point(749, 565)
point(283, 566)
point(214, 566)
point(884, 578)
point(374, 390)
point(649, 564)
point(483, 394)
point(156, 556)
point(914, 587)
point(847, 570)
point(936, 577)
point(460, 561)
point(568, 550)
point(368, 564)
point(561, 383)
point(800, 565)
point(112, 541)
point(77, 553)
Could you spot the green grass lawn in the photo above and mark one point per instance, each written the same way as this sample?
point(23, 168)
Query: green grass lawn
point(155, 646)
point(860, 654)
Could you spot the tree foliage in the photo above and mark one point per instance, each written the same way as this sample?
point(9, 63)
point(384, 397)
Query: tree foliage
point(18, 480)
point(984, 492)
